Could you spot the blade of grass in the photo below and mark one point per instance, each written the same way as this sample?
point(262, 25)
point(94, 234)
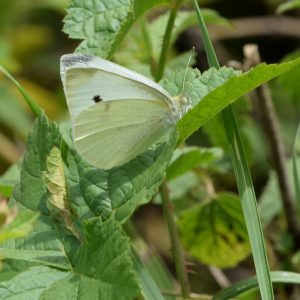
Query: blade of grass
point(33, 106)
point(251, 283)
point(243, 178)
point(166, 40)
point(296, 168)
point(149, 289)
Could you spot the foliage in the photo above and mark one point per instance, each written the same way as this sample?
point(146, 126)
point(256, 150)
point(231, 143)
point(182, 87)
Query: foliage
point(68, 238)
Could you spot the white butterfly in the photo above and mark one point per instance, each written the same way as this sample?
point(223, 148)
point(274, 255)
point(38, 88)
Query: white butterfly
point(116, 113)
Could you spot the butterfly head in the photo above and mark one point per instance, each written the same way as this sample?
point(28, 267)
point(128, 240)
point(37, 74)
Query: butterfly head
point(181, 105)
point(181, 102)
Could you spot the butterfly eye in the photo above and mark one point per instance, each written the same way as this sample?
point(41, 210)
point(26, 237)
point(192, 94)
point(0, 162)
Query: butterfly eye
point(97, 99)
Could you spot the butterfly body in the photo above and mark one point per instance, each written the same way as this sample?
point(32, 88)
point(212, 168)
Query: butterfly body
point(116, 113)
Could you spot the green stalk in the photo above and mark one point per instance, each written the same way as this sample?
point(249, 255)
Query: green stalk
point(166, 41)
point(243, 177)
point(296, 168)
point(175, 242)
point(177, 251)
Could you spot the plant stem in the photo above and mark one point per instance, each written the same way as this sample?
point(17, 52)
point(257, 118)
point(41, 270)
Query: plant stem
point(267, 115)
point(166, 41)
point(243, 178)
point(177, 251)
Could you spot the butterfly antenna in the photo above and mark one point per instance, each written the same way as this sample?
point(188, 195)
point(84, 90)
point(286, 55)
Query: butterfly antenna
point(181, 91)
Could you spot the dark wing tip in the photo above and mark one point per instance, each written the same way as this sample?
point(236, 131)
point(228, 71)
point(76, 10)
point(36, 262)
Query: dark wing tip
point(68, 60)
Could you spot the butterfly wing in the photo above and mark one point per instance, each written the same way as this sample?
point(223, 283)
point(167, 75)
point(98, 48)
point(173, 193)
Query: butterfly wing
point(86, 78)
point(109, 134)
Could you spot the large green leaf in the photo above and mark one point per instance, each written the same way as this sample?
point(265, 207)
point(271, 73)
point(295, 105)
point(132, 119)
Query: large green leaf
point(196, 85)
point(48, 243)
point(43, 245)
point(120, 190)
point(103, 24)
point(213, 100)
point(215, 232)
point(102, 270)
point(30, 284)
point(43, 136)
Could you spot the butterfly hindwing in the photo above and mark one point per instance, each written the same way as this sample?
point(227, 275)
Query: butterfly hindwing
point(111, 133)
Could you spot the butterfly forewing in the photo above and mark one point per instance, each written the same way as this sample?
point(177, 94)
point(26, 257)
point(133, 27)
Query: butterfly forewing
point(87, 78)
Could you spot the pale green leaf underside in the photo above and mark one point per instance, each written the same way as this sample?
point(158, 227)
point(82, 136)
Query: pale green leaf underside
point(215, 232)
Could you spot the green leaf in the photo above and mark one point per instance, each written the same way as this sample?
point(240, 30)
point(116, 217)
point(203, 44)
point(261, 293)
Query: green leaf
point(120, 190)
point(30, 284)
point(212, 100)
point(102, 25)
point(43, 136)
point(286, 88)
point(215, 232)
point(47, 243)
point(244, 285)
point(289, 5)
point(197, 85)
point(188, 158)
point(181, 185)
point(43, 246)
point(149, 289)
point(90, 191)
point(103, 268)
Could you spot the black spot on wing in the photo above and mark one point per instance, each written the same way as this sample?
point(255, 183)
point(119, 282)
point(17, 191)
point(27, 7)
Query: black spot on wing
point(97, 99)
